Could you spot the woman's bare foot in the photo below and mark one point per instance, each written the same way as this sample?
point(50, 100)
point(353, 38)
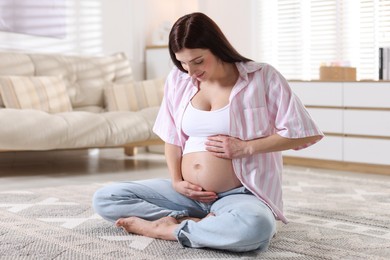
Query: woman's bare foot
point(162, 228)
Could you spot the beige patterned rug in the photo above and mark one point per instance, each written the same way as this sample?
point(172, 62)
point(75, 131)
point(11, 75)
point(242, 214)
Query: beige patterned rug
point(331, 217)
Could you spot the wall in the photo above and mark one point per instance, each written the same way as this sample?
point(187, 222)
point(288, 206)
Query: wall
point(235, 18)
point(97, 27)
point(158, 12)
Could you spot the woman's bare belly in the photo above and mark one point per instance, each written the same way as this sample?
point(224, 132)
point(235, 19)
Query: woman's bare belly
point(209, 172)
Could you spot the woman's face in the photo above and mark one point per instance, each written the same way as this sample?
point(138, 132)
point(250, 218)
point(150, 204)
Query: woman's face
point(199, 63)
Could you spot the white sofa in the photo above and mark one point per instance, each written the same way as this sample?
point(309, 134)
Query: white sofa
point(54, 101)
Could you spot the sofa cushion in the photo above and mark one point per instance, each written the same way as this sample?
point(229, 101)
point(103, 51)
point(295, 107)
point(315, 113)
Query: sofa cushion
point(16, 64)
point(84, 76)
point(134, 96)
point(44, 93)
point(38, 130)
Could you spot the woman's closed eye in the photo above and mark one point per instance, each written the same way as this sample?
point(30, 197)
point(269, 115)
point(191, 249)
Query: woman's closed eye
point(197, 62)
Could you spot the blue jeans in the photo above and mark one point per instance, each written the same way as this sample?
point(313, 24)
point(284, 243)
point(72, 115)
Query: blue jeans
point(242, 222)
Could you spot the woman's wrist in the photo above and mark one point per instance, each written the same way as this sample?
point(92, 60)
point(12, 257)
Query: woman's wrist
point(249, 148)
point(177, 178)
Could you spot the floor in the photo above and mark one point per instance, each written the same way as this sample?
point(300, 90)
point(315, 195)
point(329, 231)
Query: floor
point(19, 170)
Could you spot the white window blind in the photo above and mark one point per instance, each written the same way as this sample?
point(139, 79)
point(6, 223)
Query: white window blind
point(297, 36)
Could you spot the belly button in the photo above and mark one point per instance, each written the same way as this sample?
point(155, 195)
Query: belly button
point(197, 166)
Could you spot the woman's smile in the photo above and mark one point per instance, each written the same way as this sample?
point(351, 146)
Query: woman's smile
point(200, 76)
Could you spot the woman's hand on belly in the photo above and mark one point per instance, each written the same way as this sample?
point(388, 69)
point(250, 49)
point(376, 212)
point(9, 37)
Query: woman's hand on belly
point(227, 147)
point(194, 192)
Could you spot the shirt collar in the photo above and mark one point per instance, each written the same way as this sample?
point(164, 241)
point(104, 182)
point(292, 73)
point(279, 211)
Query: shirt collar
point(245, 68)
point(185, 77)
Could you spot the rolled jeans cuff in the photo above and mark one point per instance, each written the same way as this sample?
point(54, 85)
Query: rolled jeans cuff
point(179, 214)
point(182, 239)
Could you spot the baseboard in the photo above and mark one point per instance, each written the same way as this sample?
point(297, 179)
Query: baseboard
point(337, 165)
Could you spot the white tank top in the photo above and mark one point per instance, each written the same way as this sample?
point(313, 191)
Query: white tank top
point(199, 124)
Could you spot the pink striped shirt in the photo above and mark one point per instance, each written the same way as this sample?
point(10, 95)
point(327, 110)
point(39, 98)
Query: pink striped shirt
point(261, 104)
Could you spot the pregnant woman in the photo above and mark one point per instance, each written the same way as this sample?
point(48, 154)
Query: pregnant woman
point(224, 120)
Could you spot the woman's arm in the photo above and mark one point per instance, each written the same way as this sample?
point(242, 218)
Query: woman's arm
point(229, 147)
point(173, 157)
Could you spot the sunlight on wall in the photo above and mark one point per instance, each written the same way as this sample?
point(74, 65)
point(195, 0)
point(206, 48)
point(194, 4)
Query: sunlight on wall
point(89, 29)
point(83, 32)
point(165, 13)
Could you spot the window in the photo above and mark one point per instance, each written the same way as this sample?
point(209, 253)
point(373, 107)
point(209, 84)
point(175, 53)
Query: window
point(298, 36)
point(42, 18)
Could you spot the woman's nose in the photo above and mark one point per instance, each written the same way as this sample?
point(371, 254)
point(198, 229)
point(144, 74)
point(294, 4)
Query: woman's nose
point(191, 71)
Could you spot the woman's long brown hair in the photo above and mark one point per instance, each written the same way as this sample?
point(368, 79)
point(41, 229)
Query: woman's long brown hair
point(198, 31)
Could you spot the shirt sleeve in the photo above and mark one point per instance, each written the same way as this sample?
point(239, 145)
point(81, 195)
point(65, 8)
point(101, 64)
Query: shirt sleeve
point(164, 125)
point(291, 118)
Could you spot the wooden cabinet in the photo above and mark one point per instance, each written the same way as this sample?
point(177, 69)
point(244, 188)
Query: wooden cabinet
point(319, 93)
point(355, 118)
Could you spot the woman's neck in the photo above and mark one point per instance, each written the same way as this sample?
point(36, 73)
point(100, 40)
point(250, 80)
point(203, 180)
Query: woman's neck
point(226, 75)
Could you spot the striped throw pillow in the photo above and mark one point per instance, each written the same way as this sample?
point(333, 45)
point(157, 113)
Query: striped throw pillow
point(134, 96)
point(44, 93)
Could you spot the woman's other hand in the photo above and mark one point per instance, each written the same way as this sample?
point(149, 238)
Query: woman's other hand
point(227, 147)
point(194, 192)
